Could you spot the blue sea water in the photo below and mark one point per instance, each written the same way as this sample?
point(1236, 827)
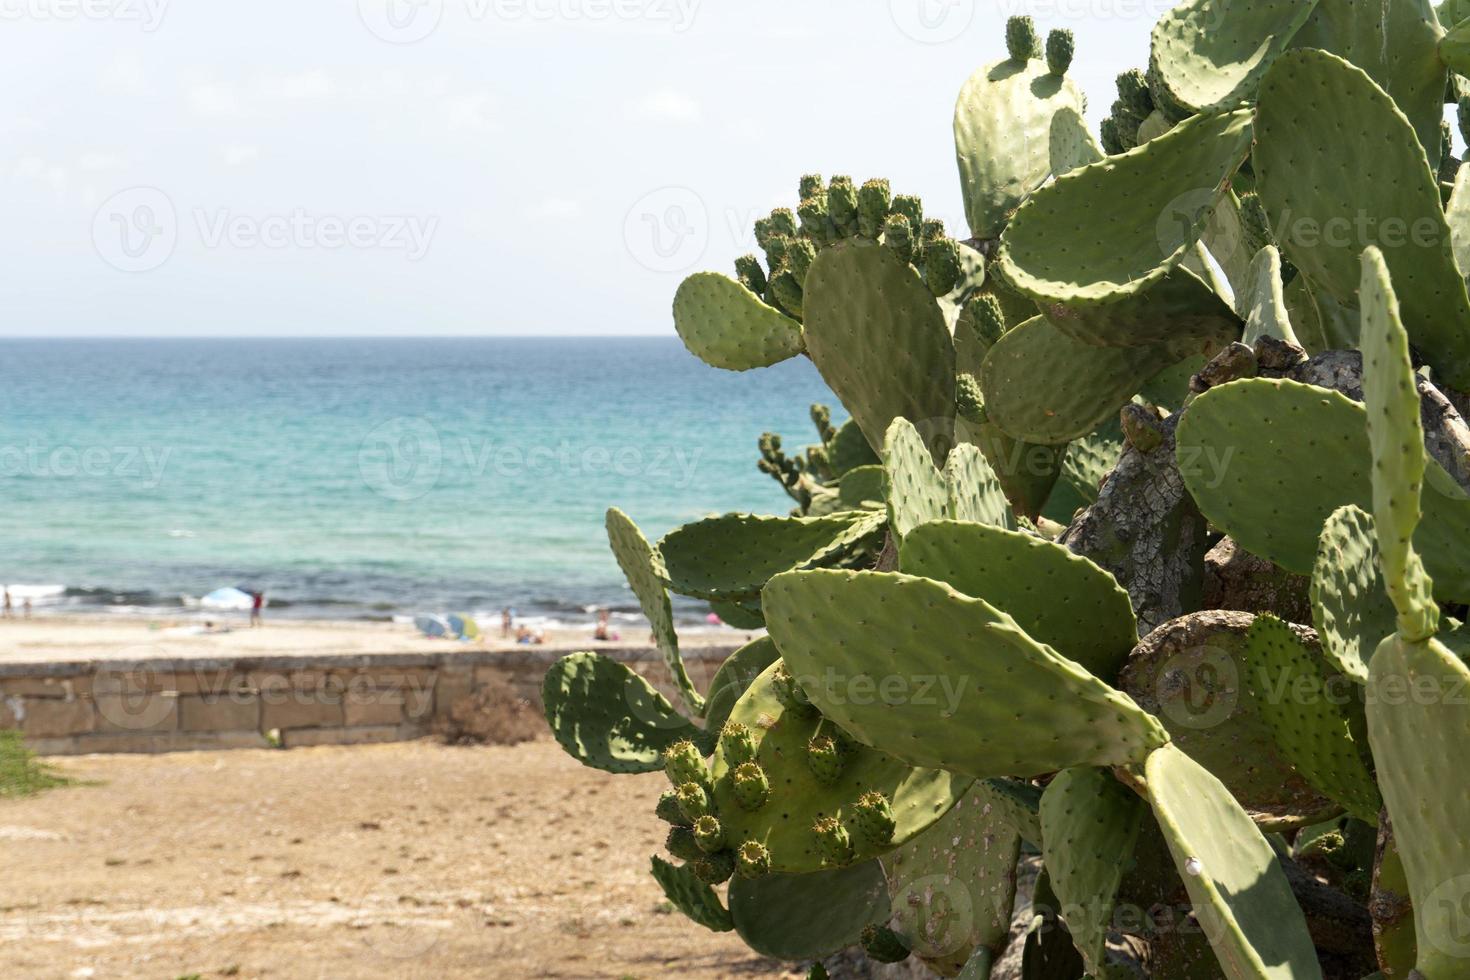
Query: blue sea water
point(367, 478)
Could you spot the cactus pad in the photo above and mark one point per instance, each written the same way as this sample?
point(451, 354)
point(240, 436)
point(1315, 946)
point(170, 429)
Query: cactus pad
point(1090, 823)
point(608, 717)
point(1419, 726)
point(1042, 386)
point(727, 326)
point(880, 341)
point(1268, 461)
point(693, 897)
point(953, 886)
point(1396, 436)
point(1352, 130)
point(644, 570)
point(915, 489)
point(1180, 309)
point(1060, 599)
point(1350, 608)
point(736, 675)
point(974, 489)
point(1264, 305)
point(998, 704)
point(1002, 134)
point(1239, 891)
point(1211, 54)
point(808, 916)
point(1111, 254)
point(1317, 719)
point(732, 557)
point(1072, 144)
point(798, 800)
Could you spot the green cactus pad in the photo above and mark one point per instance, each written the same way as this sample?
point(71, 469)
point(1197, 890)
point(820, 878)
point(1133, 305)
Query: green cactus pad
point(1351, 129)
point(1179, 309)
point(1019, 805)
point(691, 896)
point(1088, 460)
point(1042, 386)
point(784, 825)
point(1072, 144)
point(1060, 599)
point(1239, 891)
point(608, 717)
point(644, 570)
point(998, 704)
point(1002, 135)
point(731, 557)
point(974, 490)
point(1398, 46)
point(1268, 461)
point(1211, 54)
point(915, 489)
point(808, 916)
point(1419, 726)
point(1264, 305)
point(727, 326)
point(880, 341)
point(862, 488)
point(1311, 711)
point(734, 678)
point(1350, 608)
point(1090, 823)
point(953, 886)
point(1027, 473)
point(849, 449)
point(1396, 436)
point(1111, 254)
point(1192, 674)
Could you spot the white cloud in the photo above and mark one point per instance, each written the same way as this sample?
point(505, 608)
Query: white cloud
point(556, 208)
point(665, 105)
point(214, 101)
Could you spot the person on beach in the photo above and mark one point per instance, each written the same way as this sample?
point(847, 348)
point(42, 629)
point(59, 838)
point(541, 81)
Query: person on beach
point(506, 621)
point(257, 603)
point(25, 607)
point(601, 632)
point(9, 608)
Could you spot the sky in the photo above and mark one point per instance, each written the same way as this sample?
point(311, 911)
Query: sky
point(459, 167)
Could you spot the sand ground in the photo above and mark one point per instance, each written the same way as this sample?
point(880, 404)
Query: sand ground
point(396, 861)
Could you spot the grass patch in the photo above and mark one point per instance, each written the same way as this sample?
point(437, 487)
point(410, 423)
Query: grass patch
point(21, 773)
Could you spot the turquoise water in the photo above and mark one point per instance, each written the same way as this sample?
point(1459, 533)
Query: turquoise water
point(368, 478)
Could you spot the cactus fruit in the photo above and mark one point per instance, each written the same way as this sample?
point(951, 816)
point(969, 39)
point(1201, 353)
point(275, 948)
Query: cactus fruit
point(791, 695)
point(709, 834)
point(1022, 42)
point(899, 235)
point(750, 786)
point(668, 809)
point(684, 764)
point(1061, 47)
point(682, 844)
point(693, 801)
point(874, 201)
point(824, 758)
point(738, 743)
point(875, 818)
point(714, 869)
point(752, 860)
point(833, 839)
point(942, 270)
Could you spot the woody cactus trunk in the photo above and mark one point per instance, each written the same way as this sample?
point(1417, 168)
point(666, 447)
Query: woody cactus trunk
point(1145, 548)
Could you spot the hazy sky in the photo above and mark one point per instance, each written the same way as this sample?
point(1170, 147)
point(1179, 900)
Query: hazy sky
point(459, 166)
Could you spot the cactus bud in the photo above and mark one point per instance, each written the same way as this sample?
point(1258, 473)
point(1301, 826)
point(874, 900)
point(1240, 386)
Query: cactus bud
point(693, 801)
point(800, 255)
point(824, 758)
point(910, 207)
point(790, 694)
point(842, 205)
point(874, 199)
point(898, 235)
point(884, 945)
point(738, 742)
point(709, 834)
point(811, 186)
point(833, 840)
point(786, 291)
point(683, 763)
point(753, 860)
point(1022, 42)
point(942, 269)
point(816, 224)
point(1112, 139)
point(969, 402)
point(682, 845)
point(1060, 47)
point(751, 786)
point(932, 230)
point(874, 818)
point(668, 809)
point(988, 318)
point(714, 869)
point(1133, 93)
point(748, 270)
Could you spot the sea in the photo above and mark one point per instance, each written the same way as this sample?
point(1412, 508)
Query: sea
point(369, 479)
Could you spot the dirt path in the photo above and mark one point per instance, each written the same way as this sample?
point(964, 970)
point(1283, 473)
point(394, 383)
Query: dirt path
point(394, 861)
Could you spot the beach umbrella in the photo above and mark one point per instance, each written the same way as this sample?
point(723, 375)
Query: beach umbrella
point(463, 627)
point(229, 600)
point(431, 625)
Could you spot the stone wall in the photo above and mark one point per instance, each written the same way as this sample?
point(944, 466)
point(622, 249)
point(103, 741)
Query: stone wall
point(168, 705)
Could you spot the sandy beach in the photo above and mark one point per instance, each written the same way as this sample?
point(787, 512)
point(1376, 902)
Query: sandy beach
point(89, 638)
